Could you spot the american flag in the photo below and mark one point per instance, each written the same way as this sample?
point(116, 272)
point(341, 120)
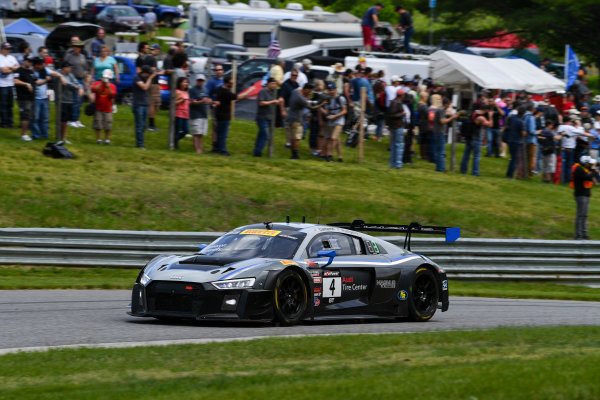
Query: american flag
point(273, 49)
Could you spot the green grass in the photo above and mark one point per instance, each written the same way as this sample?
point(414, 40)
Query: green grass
point(516, 363)
point(121, 187)
point(29, 277)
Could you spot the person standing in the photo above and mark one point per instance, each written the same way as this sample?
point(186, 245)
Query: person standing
point(150, 21)
point(79, 65)
point(405, 26)
point(397, 116)
point(25, 85)
point(368, 24)
point(295, 117)
point(267, 101)
point(182, 110)
point(105, 62)
point(289, 85)
point(424, 129)
point(8, 65)
point(582, 182)
point(441, 119)
point(72, 88)
point(514, 139)
point(568, 134)
point(43, 76)
point(213, 84)
point(224, 97)
point(530, 127)
point(199, 102)
point(547, 141)
point(104, 95)
point(493, 132)
point(335, 111)
point(144, 58)
point(141, 102)
point(481, 120)
point(98, 43)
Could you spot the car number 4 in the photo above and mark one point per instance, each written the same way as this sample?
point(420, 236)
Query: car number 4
point(332, 287)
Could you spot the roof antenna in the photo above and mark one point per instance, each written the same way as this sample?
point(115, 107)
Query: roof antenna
point(320, 209)
point(303, 219)
point(287, 219)
point(268, 224)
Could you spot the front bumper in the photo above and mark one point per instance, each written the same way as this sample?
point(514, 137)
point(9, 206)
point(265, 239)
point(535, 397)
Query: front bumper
point(199, 301)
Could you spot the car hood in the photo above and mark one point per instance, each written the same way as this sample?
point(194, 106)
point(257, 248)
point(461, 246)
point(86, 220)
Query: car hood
point(203, 269)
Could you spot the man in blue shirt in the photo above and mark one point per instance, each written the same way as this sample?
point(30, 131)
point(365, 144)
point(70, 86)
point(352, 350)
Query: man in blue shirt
point(369, 22)
point(530, 127)
point(211, 86)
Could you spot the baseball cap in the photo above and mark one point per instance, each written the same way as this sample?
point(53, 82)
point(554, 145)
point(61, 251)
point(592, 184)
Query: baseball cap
point(155, 46)
point(6, 45)
point(77, 43)
point(597, 98)
point(200, 77)
point(331, 85)
point(395, 78)
point(306, 61)
point(587, 160)
point(380, 5)
point(147, 69)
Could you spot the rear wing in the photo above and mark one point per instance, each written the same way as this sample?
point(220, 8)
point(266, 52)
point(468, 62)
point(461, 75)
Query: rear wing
point(452, 234)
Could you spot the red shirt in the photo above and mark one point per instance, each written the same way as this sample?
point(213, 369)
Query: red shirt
point(104, 100)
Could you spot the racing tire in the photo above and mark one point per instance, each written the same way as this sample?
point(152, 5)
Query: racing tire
point(423, 295)
point(290, 298)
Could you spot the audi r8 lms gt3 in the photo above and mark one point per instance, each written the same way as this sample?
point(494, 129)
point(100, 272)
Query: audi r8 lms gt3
point(290, 272)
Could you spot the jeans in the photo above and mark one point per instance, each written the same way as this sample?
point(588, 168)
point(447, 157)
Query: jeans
point(583, 205)
point(407, 36)
point(493, 137)
point(6, 107)
point(475, 147)
point(515, 153)
point(567, 163)
point(140, 115)
point(222, 132)
point(39, 124)
point(439, 151)
point(181, 129)
point(397, 148)
point(262, 137)
point(379, 130)
point(77, 102)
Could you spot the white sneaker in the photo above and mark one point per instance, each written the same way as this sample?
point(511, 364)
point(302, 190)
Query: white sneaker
point(73, 124)
point(65, 141)
point(26, 138)
point(78, 124)
point(107, 141)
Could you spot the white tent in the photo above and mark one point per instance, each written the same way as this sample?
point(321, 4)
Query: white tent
point(492, 73)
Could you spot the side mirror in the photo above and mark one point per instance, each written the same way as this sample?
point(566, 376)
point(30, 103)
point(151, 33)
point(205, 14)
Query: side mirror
point(327, 253)
point(201, 247)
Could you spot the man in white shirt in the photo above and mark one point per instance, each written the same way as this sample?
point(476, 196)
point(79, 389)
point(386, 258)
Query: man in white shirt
point(568, 135)
point(8, 65)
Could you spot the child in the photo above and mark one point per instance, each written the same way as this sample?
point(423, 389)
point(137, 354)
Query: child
point(182, 110)
point(105, 93)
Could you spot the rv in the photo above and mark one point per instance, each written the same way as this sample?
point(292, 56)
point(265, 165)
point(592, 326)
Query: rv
point(16, 6)
point(61, 9)
point(252, 25)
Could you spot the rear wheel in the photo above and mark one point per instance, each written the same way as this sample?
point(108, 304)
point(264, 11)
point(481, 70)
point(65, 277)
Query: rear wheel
point(290, 298)
point(424, 295)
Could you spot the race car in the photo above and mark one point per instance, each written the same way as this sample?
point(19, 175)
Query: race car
point(289, 272)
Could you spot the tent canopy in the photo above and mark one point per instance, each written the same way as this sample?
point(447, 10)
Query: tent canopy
point(503, 40)
point(25, 27)
point(492, 73)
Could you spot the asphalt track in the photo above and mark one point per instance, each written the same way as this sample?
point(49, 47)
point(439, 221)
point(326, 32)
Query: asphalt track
point(42, 319)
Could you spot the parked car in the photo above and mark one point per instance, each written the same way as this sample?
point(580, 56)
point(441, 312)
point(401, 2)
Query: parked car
point(166, 14)
point(220, 54)
point(126, 67)
point(197, 56)
point(120, 18)
point(252, 71)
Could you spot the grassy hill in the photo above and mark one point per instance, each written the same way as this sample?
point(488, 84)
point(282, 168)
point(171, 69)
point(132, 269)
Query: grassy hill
point(122, 187)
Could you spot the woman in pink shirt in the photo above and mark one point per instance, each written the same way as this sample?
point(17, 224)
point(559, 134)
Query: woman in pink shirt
point(182, 110)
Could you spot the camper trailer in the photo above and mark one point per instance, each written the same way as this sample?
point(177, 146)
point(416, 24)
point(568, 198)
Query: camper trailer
point(251, 25)
point(61, 9)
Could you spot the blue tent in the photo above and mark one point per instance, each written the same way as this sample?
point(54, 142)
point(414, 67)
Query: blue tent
point(25, 27)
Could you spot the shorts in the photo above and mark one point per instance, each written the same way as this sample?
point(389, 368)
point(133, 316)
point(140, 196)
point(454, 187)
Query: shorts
point(333, 132)
point(296, 130)
point(102, 120)
point(199, 126)
point(154, 92)
point(549, 164)
point(150, 27)
point(367, 33)
point(66, 112)
point(26, 109)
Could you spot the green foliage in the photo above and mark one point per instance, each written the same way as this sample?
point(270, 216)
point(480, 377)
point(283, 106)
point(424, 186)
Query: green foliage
point(512, 363)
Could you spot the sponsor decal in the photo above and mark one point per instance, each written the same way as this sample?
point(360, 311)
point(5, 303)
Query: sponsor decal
point(332, 287)
point(354, 287)
point(264, 232)
point(331, 273)
point(312, 264)
point(444, 285)
point(289, 262)
point(347, 279)
point(326, 229)
point(386, 283)
point(402, 295)
point(331, 300)
point(376, 248)
point(317, 294)
point(315, 273)
point(317, 302)
point(318, 289)
point(176, 277)
point(317, 279)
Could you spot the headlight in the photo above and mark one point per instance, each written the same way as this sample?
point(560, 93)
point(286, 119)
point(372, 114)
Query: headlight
point(145, 279)
point(235, 283)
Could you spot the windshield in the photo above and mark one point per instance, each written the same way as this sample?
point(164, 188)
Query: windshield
point(125, 12)
point(253, 243)
point(197, 52)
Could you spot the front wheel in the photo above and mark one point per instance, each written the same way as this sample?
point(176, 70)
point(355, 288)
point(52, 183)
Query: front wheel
point(424, 295)
point(290, 298)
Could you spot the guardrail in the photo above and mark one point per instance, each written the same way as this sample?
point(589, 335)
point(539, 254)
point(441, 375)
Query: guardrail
point(465, 259)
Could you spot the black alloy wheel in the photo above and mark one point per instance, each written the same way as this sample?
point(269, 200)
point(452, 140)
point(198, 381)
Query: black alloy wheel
point(290, 298)
point(424, 295)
